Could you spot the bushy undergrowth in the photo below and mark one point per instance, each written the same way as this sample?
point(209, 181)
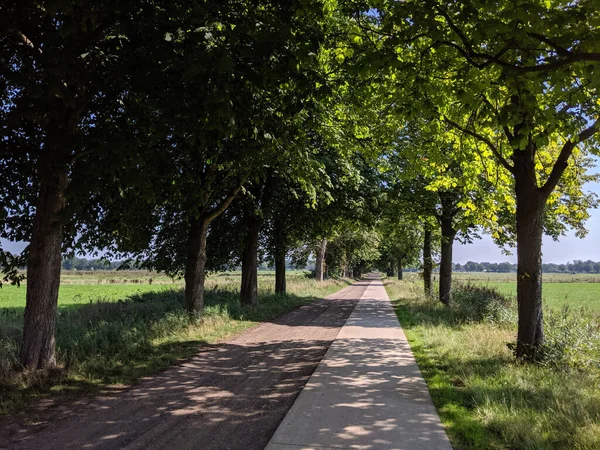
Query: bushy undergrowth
point(117, 342)
point(485, 397)
point(483, 304)
point(572, 336)
point(572, 340)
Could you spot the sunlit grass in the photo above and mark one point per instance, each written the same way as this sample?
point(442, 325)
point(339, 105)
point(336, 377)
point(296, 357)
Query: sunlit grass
point(557, 295)
point(572, 290)
point(485, 398)
point(512, 277)
point(81, 288)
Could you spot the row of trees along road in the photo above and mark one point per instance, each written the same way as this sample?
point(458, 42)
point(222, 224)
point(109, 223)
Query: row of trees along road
point(191, 137)
point(518, 82)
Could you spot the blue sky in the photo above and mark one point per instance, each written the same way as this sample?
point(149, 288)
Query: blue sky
point(568, 248)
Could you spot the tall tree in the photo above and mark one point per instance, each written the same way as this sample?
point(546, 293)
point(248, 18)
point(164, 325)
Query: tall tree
point(427, 259)
point(527, 78)
point(435, 175)
point(400, 241)
point(515, 77)
point(252, 219)
point(244, 80)
point(63, 71)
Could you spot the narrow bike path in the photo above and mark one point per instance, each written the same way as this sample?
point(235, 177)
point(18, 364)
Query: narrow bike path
point(367, 392)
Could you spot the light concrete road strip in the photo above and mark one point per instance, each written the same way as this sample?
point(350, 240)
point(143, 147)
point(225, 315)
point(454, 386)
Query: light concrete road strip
point(367, 392)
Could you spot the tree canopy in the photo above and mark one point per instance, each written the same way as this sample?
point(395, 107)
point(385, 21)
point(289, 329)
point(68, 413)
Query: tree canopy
point(194, 136)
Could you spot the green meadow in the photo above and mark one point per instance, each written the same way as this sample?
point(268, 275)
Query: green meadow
point(559, 290)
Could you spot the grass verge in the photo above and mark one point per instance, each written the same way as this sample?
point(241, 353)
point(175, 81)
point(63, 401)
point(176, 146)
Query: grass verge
point(484, 397)
point(118, 342)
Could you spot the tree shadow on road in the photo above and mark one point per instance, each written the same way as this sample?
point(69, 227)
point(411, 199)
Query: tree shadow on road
point(234, 395)
point(120, 342)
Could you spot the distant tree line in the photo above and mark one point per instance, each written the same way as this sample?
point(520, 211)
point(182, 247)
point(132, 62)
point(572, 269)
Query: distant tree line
point(91, 264)
point(577, 266)
point(75, 263)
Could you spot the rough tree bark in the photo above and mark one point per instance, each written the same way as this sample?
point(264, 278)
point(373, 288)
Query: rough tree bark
point(320, 260)
point(347, 268)
point(196, 266)
point(280, 286)
point(361, 269)
point(427, 261)
point(448, 234)
point(249, 286)
point(530, 220)
point(43, 272)
point(400, 268)
point(529, 279)
point(279, 253)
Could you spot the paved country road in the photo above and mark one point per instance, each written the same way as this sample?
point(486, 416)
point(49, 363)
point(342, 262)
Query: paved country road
point(232, 395)
point(368, 392)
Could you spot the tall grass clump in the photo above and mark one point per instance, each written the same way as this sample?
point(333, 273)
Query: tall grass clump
point(572, 336)
point(479, 304)
point(572, 340)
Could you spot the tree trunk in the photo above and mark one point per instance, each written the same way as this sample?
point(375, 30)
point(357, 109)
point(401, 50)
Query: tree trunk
point(427, 261)
point(320, 260)
point(347, 269)
point(279, 257)
point(249, 287)
point(400, 274)
point(195, 267)
point(280, 287)
point(530, 214)
point(361, 269)
point(448, 234)
point(38, 350)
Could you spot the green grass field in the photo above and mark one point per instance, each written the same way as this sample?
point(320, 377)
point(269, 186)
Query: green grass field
point(575, 291)
point(511, 277)
point(82, 288)
point(557, 295)
point(114, 332)
point(81, 294)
